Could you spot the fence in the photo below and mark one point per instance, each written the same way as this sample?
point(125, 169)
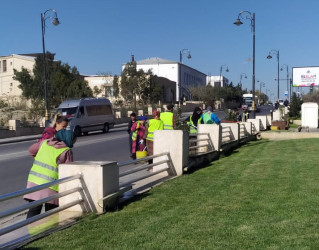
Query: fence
point(100, 183)
point(37, 203)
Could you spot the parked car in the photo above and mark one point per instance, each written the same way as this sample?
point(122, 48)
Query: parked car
point(88, 114)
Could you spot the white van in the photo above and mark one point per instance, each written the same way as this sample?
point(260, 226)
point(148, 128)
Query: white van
point(88, 114)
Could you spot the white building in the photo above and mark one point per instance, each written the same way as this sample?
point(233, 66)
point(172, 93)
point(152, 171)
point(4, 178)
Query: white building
point(183, 75)
point(8, 86)
point(216, 81)
point(103, 83)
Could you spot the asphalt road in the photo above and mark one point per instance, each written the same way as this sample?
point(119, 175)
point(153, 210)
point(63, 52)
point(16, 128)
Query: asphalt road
point(15, 161)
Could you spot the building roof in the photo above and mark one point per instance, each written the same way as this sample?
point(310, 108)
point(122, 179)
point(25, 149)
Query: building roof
point(155, 60)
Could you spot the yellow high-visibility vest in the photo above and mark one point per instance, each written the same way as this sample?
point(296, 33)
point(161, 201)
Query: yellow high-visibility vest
point(167, 118)
point(45, 167)
point(192, 128)
point(154, 124)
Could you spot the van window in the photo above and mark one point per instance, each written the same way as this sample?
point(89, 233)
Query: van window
point(68, 112)
point(98, 110)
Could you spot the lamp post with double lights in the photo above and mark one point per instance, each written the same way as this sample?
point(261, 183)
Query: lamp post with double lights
point(181, 53)
point(241, 76)
point(251, 16)
point(220, 77)
point(287, 77)
point(55, 22)
point(261, 84)
point(269, 57)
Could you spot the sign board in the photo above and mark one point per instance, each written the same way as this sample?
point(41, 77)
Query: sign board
point(286, 93)
point(305, 76)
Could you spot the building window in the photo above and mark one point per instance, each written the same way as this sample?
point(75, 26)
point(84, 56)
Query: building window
point(4, 66)
point(10, 84)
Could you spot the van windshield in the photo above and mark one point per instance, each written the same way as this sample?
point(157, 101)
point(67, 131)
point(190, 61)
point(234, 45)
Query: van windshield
point(68, 112)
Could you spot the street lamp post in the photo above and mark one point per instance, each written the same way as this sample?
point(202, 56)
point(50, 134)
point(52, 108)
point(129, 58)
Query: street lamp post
point(55, 21)
point(241, 76)
point(220, 78)
point(269, 57)
point(281, 69)
point(251, 16)
point(181, 53)
point(261, 84)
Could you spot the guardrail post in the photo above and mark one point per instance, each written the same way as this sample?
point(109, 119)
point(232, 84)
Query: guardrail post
point(234, 127)
point(263, 121)
point(256, 123)
point(215, 133)
point(175, 142)
point(248, 128)
point(99, 179)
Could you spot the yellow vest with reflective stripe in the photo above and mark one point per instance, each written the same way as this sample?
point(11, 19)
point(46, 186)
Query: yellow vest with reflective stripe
point(167, 118)
point(192, 128)
point(45, 167)
point(134, 134)
point(154, 124)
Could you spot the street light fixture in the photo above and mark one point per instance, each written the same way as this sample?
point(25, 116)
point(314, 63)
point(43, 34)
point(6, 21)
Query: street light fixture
point(241, 76)
point(55, 22)
point(251, 16)
point(281, 69)
point(261, 84)
point(269, 57)
point(181, 53)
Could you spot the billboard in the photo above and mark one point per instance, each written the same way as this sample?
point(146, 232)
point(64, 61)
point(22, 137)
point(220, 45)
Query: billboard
point(305, 76)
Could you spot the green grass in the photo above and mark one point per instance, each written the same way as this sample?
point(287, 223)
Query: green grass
point(263, 196)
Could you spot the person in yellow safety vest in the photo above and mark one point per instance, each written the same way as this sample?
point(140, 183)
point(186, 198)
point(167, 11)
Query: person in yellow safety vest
point(194, 120)
point(48, 154)
point(153, 124)
point(245, 116)
point(209, 117)
point(168, 118)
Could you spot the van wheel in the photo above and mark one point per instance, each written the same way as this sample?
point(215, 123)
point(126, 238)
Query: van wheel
point(106, 128)
point(77, 131)
point(85, 133)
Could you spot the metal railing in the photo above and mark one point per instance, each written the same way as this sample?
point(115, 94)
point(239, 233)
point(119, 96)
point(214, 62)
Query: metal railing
point(242, 131)
point(193, 143)
point(170, 168)
point(127, 185)
point(227, 135)
point(38, 202)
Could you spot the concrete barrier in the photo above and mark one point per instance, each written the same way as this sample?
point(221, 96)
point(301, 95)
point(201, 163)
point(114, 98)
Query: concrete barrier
point(215, 133)
point(176, 143)
point(263, 121)
point(255, 124)
point(99, 180)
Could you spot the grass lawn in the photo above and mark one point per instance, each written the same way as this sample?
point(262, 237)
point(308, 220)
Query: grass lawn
point(265, 195)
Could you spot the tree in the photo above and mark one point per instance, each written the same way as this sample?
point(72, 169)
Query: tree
point(116, 89)
point(63, 82)
point(311, 97)
point(139, 84)
point(96, 91)
point(295, 106)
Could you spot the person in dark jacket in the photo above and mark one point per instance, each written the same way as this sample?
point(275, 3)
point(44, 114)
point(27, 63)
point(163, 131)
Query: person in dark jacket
point(130, 124)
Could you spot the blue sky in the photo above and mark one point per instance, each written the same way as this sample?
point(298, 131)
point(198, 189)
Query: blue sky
point(98, 36)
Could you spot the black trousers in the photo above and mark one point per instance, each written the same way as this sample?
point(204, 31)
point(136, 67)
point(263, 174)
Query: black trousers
point(37, 210)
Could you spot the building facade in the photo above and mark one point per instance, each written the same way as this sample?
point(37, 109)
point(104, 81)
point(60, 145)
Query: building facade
point(216, 81)
point(184, 76)
point(103, 83)
point(9, 89)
